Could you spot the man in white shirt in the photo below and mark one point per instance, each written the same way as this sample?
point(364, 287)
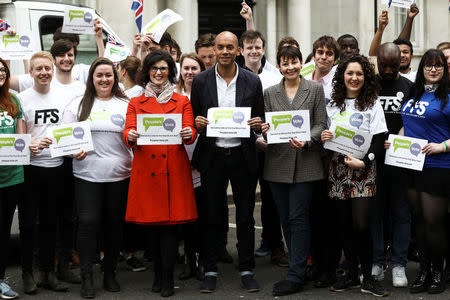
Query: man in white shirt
point(223, 159)
point(42, 108)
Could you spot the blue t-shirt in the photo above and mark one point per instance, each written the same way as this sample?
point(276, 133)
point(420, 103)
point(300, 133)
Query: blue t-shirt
point(427, 121)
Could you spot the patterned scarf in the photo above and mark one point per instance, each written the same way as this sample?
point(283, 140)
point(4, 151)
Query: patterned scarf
point(162, 92)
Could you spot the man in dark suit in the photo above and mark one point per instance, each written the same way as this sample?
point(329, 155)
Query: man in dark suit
point(223, 159)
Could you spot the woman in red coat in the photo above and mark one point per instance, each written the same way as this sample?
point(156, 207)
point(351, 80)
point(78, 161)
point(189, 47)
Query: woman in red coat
point(161, 192)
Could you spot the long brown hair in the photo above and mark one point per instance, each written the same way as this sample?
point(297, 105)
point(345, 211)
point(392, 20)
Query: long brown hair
point(6, 101)
point(133, 66)
point(193, 56)
point(84, 110)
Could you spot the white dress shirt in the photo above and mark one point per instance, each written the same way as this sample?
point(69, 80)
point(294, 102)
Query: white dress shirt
point(326, 81)
point(226, 97)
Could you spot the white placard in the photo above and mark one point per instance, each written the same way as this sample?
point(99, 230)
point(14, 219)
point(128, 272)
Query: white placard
point(116, 53)
point(17, 47)
point(285, 125)
point(405, 152)
point(398, 3)
point(14, 149)
point(228, 122)
point(159, 24)
point(349, 142)
point(78, 20)
point(70, 138)
point(159, 129)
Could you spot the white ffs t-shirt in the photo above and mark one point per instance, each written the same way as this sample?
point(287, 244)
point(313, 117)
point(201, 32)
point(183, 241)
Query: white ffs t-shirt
point(111, 159)
point(76, 88)
point(41, 111)
point(373, 120)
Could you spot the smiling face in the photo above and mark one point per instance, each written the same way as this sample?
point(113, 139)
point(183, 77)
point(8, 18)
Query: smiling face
point(208, 56)
point(159, 72)
point(226, 49)
point(189, 69)
point(349, 46)
point(290, 67)
point(3, 74)
point(42, 71)
point(405, 58)
point(353, 79)
point(65, 62)
point(103, 80)
point(324, 59)
point(253, 51)
point(433, 71)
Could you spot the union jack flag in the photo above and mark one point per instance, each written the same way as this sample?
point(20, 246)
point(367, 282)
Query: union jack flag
point(4, 25)
point(112, 40)
point(138, 7)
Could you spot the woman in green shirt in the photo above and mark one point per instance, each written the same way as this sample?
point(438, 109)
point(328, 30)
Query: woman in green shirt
point(11, 177)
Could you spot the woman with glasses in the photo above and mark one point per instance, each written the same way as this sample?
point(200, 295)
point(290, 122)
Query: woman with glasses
point(161, 192)
point(11, 177)
point(427, 116)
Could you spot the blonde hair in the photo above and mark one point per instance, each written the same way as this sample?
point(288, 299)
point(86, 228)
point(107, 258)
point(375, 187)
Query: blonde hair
point(41, 54)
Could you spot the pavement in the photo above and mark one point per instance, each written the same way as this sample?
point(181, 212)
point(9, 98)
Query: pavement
point(137, 285)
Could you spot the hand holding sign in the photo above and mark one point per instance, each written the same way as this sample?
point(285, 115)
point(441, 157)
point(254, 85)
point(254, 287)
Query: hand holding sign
point(288, 125)
point(158, 129)
point(78, 20)
point(17, 46)
point(14, 149)
point(405, 152)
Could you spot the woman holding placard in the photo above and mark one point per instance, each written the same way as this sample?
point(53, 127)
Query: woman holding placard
point(161, 192)
point(191, 65)
point(102, 178)
point(11, 177)
point(292, 167)
point(427, 116)
point(351, 181)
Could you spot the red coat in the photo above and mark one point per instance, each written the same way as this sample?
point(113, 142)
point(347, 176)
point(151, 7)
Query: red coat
point(161, 190)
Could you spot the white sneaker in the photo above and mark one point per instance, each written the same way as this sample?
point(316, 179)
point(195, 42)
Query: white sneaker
point(377, 272)
point(399, 277)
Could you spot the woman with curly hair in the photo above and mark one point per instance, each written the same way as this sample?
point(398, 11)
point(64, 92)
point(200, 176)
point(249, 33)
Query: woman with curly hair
point(427, 116)
point(351, 181)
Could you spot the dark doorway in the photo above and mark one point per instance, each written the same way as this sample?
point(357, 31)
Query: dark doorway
point(219, 15)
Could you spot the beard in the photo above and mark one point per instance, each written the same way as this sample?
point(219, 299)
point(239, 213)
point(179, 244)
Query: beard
point(405, 67)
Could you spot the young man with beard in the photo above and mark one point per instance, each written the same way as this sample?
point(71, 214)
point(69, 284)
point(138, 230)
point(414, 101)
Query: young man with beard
point(43, 107)
point(390, 197)
point(223, 159)
point(252, 44)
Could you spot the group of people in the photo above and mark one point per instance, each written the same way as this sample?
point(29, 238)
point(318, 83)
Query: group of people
point(325, 204)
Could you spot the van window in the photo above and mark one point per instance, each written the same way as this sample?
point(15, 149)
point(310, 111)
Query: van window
point(87, 49)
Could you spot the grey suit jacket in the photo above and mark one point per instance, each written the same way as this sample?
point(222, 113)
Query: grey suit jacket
point(282, 163)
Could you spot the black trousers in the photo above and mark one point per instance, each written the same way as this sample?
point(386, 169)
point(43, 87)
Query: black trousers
point(231, 167)
point(9, 197)
point(100, 204)
point(192, 231)
point(271, 232)
point(164, 246)
point(44, 189)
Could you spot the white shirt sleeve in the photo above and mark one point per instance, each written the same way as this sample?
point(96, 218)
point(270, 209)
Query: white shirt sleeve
point(377, 119)
point(25, 82)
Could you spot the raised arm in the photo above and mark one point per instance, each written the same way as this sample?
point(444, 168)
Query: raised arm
point(98, 28)
point(383, 21)
point(407, 28)
point(247, 14)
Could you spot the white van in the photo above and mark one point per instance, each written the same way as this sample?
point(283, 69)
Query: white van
point(42, 18)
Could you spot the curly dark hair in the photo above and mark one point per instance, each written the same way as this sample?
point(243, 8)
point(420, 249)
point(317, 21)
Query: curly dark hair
point(369, 91)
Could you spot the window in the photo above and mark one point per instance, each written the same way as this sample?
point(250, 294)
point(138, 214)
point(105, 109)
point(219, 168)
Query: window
point(417, 33)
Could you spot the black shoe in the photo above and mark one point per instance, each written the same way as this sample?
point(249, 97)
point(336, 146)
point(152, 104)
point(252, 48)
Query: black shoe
point(87, 287)
point(65, 274)
point(224, 256)
point(110, 283)
point(209, 284)
point(135, 264)
point(374, 287)
point(167, 284)
point(249, 283)
point(437, 283)
point(325, 280)
point(421, 283)
point(286, 287)
point(29, 286)
point(189, 270)
point(346, 282)
point(48, 281)
point(167, 292)
point(157, 285)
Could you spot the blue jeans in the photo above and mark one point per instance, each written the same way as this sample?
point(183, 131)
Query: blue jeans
point(293, 203)
point(392, 202)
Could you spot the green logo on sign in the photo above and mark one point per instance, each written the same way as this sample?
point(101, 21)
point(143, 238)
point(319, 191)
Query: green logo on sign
point(223, 114)
point(10, 39)
point(282, 119)
point(76, 14)
point(147, 122)
point(59, 133)
point(343, 132)
point(7, 142)
point(399, 143)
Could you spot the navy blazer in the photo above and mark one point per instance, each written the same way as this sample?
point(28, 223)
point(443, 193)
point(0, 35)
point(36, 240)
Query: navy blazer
point(249, 93)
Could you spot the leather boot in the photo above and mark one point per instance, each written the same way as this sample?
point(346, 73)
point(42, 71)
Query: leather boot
point(110, 283)
point(65, 274)
point(87, 286)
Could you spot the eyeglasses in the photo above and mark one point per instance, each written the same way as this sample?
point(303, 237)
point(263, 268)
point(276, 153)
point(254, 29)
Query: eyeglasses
point(161, 69)
point(437, 67)
point(3, 70)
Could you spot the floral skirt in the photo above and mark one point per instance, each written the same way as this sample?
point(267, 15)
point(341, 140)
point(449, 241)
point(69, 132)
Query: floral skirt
point(345, 183)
